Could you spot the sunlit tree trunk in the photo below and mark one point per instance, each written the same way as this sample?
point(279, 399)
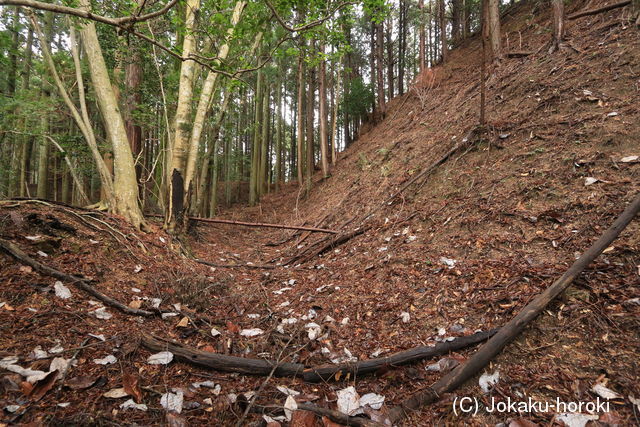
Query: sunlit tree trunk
point(204, 103)
point(124, 183)
point(179, 149)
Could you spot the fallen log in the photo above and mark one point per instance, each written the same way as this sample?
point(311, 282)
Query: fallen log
point(257, 224)
point(324, 373)
point(515, 326)
point(339, 417)
point(599, 10)
point(78, 282)
point(221, 362)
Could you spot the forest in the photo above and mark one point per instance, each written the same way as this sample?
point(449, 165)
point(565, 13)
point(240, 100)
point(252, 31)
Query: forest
point(319, 213)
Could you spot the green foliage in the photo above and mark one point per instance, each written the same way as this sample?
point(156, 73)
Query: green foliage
point(358, 98)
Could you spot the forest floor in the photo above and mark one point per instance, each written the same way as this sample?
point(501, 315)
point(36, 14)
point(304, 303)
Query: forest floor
point(462, 250)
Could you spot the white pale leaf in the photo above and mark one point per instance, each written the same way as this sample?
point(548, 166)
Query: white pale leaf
point(349, 401)
point(375, 401)
point(61, 290)
point(130, 404)
point(108, 360)
point(290, 405)
point(487, 381)
point(172, 401)
point(251, 332)
point(162, 358)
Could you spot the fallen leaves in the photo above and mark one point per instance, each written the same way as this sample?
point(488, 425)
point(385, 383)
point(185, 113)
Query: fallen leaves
point(131, 385)
point(162, 358)
point(41, 387)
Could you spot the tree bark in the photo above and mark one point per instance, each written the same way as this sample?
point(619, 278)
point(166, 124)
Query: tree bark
point(324, 157)
point(310, 110)
point(558, 24)
point(382, 108)
point(124, 184)
point(493, 16)
point(443, 30)
point(300, 118)
point(179, 149)
point(422, 46)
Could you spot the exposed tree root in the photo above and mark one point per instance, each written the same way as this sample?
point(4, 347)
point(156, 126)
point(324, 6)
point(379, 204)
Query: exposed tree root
point(78, 282)
point(515, 326)
point(222, 362)
point(324, 373)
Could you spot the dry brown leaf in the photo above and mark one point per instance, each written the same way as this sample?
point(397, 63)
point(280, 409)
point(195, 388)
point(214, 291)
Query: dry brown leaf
point(41, 387)
point(175, 420)
point(183, 323)
point(233, 328)
point(81, 382)
point(135, 304)
point(131, 384)
point(303, 419)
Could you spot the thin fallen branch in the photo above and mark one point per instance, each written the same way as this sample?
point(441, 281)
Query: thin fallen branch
point(518, 53)
point(262, 224)
point(515, 326)
point(256, 266)
point(221, 362)
point(599, 10)
point(325, 245)
point(79, 283)
point(324, 373)
point(257, 224)
point(466, 141)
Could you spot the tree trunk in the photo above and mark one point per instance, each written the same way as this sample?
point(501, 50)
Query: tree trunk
point(402, 45)
point(558, 24)
point(178, 151)
point(334, 121)
point(257, 145)
point(493, 16)
point(311, 93)
point(380, 69)
point(204, 103)
point(124, 184)
point(456, 15)
point(300, 119)
point(389, 58)
point(265, 163)
point(324, 157)
point(422, 46)
point(278, 166)
point(443, 30)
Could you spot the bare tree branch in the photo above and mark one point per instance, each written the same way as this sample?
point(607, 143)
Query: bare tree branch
point(118, 22)
point(309, 25)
